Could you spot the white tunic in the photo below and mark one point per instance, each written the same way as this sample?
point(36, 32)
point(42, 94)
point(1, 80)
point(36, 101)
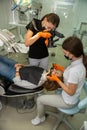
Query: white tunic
point(75, 73)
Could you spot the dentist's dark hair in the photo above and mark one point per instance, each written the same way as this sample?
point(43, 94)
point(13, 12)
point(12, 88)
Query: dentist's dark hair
point(53, 18)
point(74, 46)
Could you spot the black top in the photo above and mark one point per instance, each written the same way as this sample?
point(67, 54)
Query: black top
point(37, 50)
point(31, 73)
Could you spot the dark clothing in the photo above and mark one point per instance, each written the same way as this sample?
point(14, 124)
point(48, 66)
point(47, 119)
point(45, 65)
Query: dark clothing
point(37, 50)
point(31, 73)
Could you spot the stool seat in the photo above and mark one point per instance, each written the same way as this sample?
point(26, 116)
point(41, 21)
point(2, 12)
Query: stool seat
point(70, 111)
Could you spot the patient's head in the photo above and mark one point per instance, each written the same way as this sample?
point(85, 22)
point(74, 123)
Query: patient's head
point(58, 73)
point(53, 71)
point(53, 85)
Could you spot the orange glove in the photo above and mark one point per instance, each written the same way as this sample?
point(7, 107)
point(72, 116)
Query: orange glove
point(46, 42)
point(54, 78)
point(44, 34)
point(58, 67)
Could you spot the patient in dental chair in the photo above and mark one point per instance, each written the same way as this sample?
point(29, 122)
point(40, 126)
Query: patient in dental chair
point(29, 77)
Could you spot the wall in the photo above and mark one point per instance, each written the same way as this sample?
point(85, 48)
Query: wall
point(4, 13)
point(71, 15)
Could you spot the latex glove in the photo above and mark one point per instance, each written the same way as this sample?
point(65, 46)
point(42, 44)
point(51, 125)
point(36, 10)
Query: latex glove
point(44, 34)
point(54, 78)
point(58, 67)
point(46, 42)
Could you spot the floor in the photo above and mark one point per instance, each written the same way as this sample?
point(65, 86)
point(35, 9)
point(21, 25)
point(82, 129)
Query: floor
point(15, 116)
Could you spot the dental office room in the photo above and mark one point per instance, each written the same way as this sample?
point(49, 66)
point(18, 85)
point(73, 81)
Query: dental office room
point(19, 105)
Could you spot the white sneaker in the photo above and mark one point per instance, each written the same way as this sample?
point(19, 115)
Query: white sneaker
point(37, 120)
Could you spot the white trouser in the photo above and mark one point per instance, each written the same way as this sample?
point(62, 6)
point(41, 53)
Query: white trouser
point(43, 63)
point(50, 100)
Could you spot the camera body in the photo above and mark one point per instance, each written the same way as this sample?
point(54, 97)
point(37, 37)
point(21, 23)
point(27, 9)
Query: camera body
point(54, 33)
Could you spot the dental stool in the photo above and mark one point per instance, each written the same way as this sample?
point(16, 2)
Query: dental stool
point(63, 113)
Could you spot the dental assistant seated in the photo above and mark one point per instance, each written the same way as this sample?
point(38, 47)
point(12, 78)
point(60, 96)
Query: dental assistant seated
point(74, 77)
point(28, 77)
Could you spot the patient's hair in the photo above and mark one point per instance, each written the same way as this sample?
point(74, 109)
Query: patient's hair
point(51, 85)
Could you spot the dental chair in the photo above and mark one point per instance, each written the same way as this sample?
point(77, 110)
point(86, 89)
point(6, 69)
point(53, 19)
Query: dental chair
point(14, 91)
point(28, 96)
point(63, 113)
point(17, 90)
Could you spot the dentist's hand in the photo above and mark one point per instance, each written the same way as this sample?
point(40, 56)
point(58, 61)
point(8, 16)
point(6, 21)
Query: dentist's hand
point(58, 67)
point(47, 42)
point(54, 78)
point(44, 34)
